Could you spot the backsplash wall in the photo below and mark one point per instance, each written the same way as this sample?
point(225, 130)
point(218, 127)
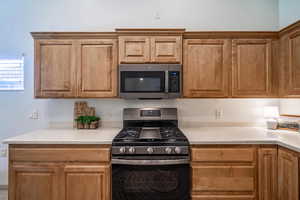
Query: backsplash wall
point(190, 110)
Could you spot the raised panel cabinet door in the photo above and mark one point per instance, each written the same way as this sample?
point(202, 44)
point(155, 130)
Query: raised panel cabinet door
point(251, 74)
point(166, 49)
point(221, 179)
point(288, 176)
point(97, 68)
point(88, 182)
point(206, 67)
point(34, 182)
point(292, 63)
point(134, 49)
point(267, 173)
point(55, 73)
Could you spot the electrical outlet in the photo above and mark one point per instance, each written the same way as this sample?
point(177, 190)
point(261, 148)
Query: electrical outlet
point(3, 152)
point(34, 115)
point(218, 114)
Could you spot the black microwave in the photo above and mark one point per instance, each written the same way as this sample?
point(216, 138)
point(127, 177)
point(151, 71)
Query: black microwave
point(150, 81)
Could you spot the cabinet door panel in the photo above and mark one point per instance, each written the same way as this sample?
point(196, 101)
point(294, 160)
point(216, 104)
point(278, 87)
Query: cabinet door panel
point(288, 188)
point(267, 173)
point(222, 197)
point(251, 68)
point(44, 179)
point(134, 49)
point(97, 73)
point(291, 59)
point(87, 182)
point(206, 68)
point(166, 49)
point(55, 74)
point(223, 179)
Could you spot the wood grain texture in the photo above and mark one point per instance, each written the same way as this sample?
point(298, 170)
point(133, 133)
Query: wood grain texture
point(134, 49)
point(60, 154)
point(252, 70)
point(223, 154)
point(166, 49)
point(223, 197)
point(55, 70)
point(87, 182)
point(207, 65)
point(97, 68)
point(33, 182)
point(74, 35)
point(288, 175)
point(267, 173)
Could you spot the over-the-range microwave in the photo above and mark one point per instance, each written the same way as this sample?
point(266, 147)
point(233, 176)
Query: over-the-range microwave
point(150, 81)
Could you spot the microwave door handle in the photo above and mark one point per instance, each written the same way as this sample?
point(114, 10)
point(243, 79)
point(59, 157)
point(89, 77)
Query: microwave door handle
point(166, 81)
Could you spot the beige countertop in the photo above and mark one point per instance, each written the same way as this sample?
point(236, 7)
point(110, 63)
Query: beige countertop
point(200, 135)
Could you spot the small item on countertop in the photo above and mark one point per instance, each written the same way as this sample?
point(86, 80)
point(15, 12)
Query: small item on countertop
point(289, 123)
point(81, 108)
point(271, 114)
point(87, 122)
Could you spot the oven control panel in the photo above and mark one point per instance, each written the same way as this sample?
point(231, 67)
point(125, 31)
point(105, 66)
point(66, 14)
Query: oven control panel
point(146, 150)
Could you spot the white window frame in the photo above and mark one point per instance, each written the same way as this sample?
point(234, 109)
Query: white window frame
point(5, 65)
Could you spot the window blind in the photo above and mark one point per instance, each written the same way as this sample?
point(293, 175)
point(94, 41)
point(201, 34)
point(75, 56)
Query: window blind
point(12, 74)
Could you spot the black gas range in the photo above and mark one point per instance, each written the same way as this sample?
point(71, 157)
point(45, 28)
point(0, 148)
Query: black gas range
point(150, 157)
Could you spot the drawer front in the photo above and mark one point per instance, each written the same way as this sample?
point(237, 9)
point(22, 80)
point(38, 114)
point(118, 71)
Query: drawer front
point(223, 154)
point(222, 197)
point(60, 154)
point(223, 179)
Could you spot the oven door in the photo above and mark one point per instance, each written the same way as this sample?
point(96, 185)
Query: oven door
point(150, 182)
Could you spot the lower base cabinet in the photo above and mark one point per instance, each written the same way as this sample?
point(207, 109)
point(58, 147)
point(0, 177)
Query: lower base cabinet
point(288, 175)
point(62, 173)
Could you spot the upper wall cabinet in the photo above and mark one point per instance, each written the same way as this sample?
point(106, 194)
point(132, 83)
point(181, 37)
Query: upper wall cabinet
point(69, 68)
point(251, 70)
point(207, 65)
point(97, 68)
point(290, 62)
point(150, 49)
point(55, 68)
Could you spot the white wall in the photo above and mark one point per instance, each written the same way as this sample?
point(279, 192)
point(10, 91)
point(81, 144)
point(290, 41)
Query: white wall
point(289, 12)
point(18, 18)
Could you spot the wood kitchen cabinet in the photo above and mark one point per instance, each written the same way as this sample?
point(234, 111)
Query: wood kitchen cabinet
point(251, 67)
point(70, 68)
point(228, 172)
point(60, 172)
point(288, 175)
point(206, 70)
point(150, 49)
point(55, 68)
point(290, 61)
point(267, 173)
point(97, 68)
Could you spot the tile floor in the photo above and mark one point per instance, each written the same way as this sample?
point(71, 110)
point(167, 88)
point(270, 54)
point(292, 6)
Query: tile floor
point(3, 195)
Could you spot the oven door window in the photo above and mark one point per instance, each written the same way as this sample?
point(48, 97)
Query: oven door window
point(143, 81)
point(150, 182)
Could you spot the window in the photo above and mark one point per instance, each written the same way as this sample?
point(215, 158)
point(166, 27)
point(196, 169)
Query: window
point(11, 74)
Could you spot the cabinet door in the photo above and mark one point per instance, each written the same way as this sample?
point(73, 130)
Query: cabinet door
point(267, 173)
point(291, 62)
point(34, 182)
point(134, 49)
point(166, 49)
point(288, 188)
point(206, 68)
point(55, 74)
point(251, 75)
point(97, 68)
point(87, 182)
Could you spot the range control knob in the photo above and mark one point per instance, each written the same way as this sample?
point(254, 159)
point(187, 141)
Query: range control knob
point(122, 150)
point(131, 150)
point(150, 150)
point(168, 150)
point(178, 150)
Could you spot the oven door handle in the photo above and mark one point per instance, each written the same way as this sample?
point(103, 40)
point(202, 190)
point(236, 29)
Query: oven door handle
point(150, 162)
